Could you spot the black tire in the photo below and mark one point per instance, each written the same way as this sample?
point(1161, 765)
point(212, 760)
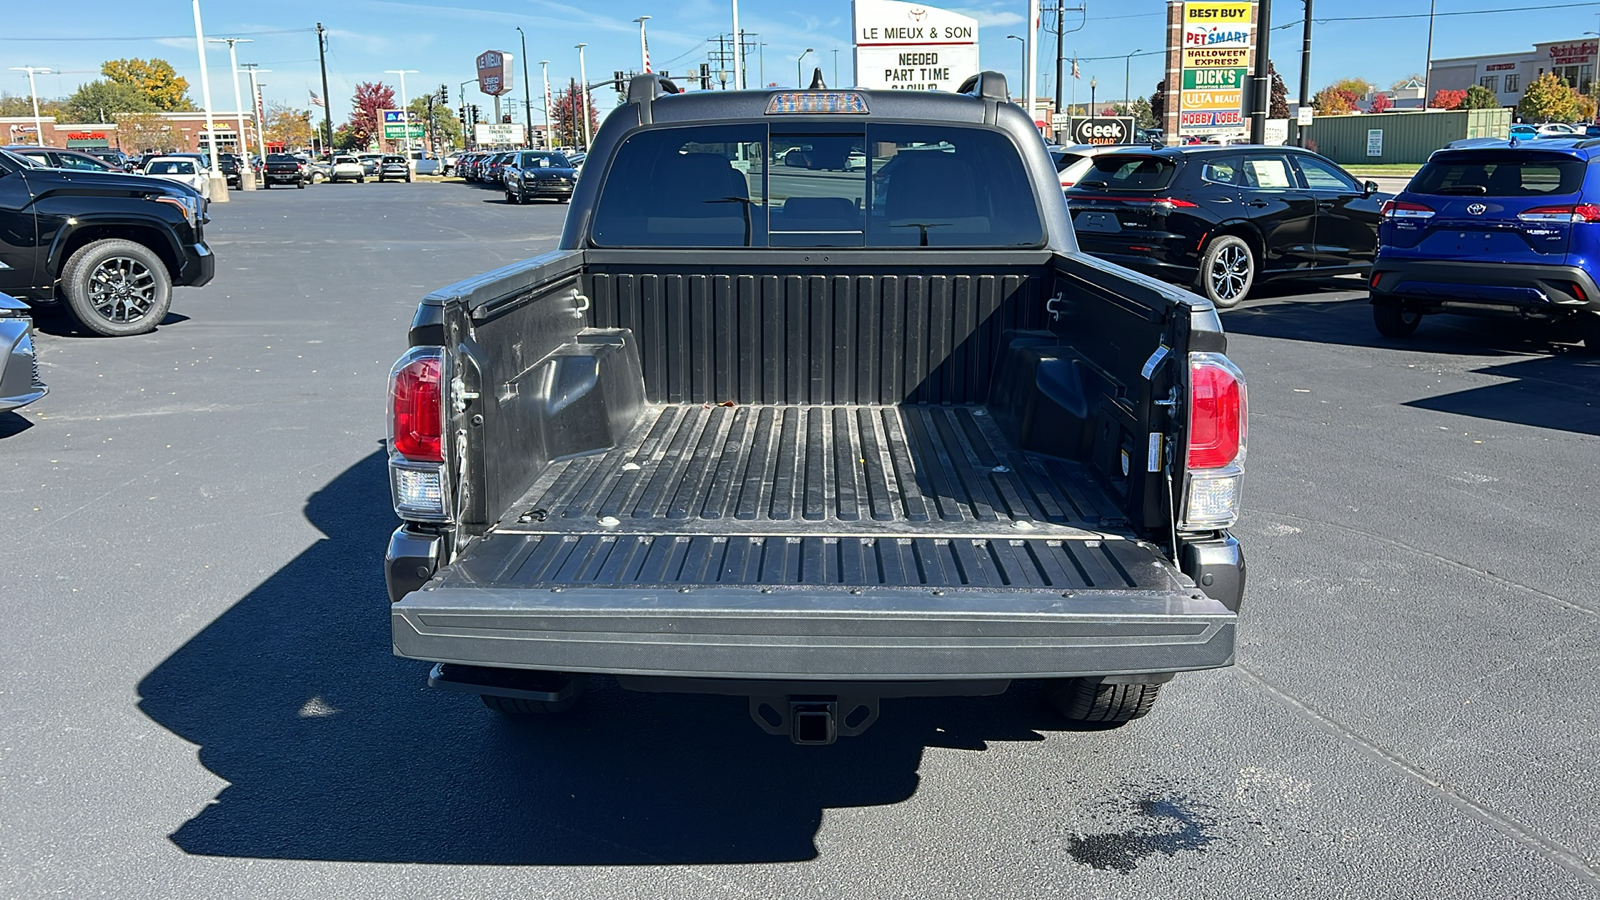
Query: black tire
point(1392, 320)
point(301, 185)
point(1227, 271)
point(361, 180)
point(266, 185)
point(1090, 704)
point(516, 706)
point(117, 288)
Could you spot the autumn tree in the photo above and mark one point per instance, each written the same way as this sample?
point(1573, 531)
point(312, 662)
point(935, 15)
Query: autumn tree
point(143, 132)
point(1278, 103)
point(287, 125)
point(1443, 99)
point(1587, 108)
point(1479, 97)
point(1334, 101)
point(101, 101)
point(567, 115)
point(1356, 87)
point(1549, 99)
point(366, 113)
point(1381, 103)
point(154, 78)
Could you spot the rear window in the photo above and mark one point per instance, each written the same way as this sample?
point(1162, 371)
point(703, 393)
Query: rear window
point(1065, 159)
point(1500, 174)
point(809, 185)
point(1129, 172)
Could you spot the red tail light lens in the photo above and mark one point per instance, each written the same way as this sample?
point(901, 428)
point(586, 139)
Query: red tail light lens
point(1405, 209)
point(416, 403)
point(1170, 202)
point(1217, 412)
point(1582, 212)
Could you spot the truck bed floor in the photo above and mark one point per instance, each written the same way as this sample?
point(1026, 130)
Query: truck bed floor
point(923, 496)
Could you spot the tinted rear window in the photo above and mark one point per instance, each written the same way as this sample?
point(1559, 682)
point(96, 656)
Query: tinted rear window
point(1129, 172)
point(814, 185)
point(1500, 174)
point(1065, 159)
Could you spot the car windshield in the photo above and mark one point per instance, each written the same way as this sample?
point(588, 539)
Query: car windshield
point(544, 161)
point(1499, 173)
point(1129, 172)
point(172, 167)
point(343, 160)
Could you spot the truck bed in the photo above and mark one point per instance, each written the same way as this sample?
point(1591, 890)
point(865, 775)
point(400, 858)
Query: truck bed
point(815, 542)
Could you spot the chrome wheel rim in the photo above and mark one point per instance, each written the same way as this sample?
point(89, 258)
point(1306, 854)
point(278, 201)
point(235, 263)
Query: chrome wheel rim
point(122, 289)
point(1230, 272)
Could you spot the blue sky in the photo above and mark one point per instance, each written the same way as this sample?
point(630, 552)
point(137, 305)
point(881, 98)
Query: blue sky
point(440, 40)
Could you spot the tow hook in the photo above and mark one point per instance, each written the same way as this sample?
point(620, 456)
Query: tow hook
point(814, 720)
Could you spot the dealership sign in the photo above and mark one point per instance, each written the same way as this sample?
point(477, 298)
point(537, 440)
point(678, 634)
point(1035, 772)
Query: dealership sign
point(494, 72)
point(911, 47)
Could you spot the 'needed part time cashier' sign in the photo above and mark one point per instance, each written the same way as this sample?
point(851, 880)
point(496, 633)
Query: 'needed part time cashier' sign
point(911, 47)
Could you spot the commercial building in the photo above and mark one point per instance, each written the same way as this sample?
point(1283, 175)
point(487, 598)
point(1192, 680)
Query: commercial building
point(132, 133)
point(1508, 74)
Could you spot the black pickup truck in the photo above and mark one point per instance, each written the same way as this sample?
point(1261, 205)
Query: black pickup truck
point(817, 404)
point(112, 245)
point(281, 168)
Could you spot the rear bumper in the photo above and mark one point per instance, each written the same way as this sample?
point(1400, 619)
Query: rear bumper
point(282, 177)
point(19, 364)
point(1478, 288)
point(827, 634)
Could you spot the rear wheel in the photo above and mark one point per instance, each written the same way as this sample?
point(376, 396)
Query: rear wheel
point(1091, 704)
point(117, 288)
point(266, 185)
point(1392, 319)
point(1227, 271)
point(300, 184)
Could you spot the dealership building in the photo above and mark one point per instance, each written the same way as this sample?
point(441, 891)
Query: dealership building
point(1508, 74)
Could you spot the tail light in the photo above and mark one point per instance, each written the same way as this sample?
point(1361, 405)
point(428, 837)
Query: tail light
point(1582, 212)
point(1218, 432)
point(416, 436)
point(1405, 209)
point(1168, 202)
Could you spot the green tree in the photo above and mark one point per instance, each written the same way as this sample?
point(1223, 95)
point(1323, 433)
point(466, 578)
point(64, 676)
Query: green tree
point(155, 78)
point(1357, 87)
point(13, 105)
point(101, 101)
point(1139, 110)
point(142, 132)
point(1549, 99)
point(1479, 97)
point(445, 127)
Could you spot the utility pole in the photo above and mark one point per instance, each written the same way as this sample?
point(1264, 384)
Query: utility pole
point(527, 86)
point(1305, 74)
point(799, 71)
point(33, 91)
point(218, 192)
point(549, 137)
point(583, 82)
point(1030, 75)
point(327, 101)
point(1263, 82)
point(247, 174)
point(738, 51)
point(1427, 69)
point(835, 68)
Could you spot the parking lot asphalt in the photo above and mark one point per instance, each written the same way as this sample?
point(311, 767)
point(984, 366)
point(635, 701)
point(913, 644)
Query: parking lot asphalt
point(199, 698)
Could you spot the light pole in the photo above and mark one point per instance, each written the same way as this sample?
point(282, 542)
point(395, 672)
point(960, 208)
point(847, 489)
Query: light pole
point(217, 187)
point(260, 114)
point(738, 51)
point(583, 82)
point(836, 68)
point(644, 46)
point(1031, 87)
point(761, 63)
point(247, 175)
point(33, 91)
point(405, 111)
point(1127, 100)
point(527, 87)
point(549, 138)
point(799, 79)
point(1094, 82)
point(1022, 64)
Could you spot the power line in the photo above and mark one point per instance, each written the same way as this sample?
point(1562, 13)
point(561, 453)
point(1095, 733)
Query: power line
point(1463, 12)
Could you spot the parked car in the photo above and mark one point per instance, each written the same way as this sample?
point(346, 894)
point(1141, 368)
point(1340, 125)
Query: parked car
point(56, 158)
point(347, 168)
point(317, 170)
point(1074, 160)
point(281, 168)
point(117, 244)
point(1225, 218)
point(19, 361)
point(122, 161)
point(184, 170)
point(394, 168)
point(1494, 231)
point(447, 166)
point(231, 168)
point(765, 474)
point(369, 163)
point(535, 174)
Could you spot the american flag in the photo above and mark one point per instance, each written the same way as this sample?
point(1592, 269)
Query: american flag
point(315, 100)
point(1075, 69)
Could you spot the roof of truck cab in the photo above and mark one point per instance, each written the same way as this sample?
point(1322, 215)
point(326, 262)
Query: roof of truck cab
point(722, 106)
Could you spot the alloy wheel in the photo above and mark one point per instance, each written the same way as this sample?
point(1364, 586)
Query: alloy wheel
point(122, 289)
point(1230, 272)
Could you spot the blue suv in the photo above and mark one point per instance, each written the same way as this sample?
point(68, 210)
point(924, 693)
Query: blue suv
point(1506, 229)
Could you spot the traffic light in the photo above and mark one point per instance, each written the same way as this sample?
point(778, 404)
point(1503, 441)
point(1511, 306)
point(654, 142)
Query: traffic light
point(461, 113)
point(705, 76)
point(505, 119)
point(443, 95)
point(617, 81)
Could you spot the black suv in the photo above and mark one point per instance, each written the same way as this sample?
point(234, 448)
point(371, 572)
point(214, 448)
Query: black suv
point(113, 245)
point(1223, 218)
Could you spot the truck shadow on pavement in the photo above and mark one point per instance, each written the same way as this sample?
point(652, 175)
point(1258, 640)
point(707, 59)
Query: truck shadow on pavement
point(335, 750)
